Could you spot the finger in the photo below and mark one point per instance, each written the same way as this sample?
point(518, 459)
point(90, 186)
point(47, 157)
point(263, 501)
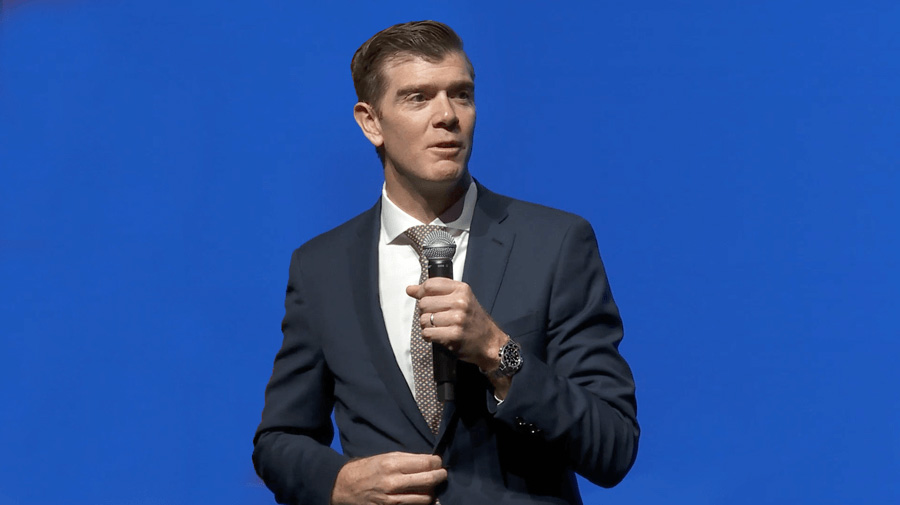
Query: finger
point(418, 483)
point(413, 499)
point(443, 317)
point(439, 286)
point(427, 319)
point(430, 304)
point(428, 288)
point(447, 336)
point(415, 291)
point(405, 462)
point(438, 318)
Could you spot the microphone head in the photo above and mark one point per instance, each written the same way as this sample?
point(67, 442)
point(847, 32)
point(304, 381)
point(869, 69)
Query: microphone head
point(438, 245)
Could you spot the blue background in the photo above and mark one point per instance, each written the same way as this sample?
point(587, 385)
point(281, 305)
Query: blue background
point(739, 162)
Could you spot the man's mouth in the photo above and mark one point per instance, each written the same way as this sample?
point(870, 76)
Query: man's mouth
point(448, 145)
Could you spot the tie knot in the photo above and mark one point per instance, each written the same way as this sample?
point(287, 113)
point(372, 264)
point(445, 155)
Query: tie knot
point(418, 233)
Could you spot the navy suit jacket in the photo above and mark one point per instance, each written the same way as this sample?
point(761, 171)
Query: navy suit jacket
point(571, 408)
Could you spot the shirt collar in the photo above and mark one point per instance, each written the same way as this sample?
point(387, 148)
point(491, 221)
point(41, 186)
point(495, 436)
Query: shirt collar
point(394, 221)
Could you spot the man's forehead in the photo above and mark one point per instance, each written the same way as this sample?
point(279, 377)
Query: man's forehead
point(396, 61)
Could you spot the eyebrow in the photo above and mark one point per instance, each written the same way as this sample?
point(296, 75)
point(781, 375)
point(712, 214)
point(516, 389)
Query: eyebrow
point(417, 88)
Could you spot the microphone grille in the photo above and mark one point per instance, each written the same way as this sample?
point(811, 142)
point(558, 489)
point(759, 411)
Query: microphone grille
point(438, 245)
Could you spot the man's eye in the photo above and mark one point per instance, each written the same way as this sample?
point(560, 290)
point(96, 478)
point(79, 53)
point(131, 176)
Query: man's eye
point(417, 97)
point(464, 95)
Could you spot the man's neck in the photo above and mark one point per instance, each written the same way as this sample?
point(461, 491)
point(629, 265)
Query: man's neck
point(428, 205)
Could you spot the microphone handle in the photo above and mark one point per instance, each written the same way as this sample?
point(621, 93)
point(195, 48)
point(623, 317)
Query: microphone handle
point(444, 360)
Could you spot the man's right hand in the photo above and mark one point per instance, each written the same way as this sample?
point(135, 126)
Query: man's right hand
point(392, 478)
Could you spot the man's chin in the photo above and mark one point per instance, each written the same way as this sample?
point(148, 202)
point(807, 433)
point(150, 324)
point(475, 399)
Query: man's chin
point(438, 177)
point(448, 174)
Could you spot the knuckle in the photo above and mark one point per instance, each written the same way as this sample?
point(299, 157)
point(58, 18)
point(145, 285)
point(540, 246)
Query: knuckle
point(389, 465)
point(391, 482)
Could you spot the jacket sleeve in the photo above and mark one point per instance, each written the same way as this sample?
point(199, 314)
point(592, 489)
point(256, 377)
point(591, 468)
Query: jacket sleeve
point(580, 393)
point(291, 447)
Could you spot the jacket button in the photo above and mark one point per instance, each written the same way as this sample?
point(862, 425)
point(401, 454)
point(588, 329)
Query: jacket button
point(521, 425)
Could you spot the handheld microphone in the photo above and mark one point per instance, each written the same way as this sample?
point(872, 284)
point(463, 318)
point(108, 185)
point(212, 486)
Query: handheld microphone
point(439, 249)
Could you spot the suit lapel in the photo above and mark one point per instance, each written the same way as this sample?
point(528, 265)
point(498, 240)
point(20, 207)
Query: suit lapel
point(368, 310)
point(486, 257)
point(489, 247)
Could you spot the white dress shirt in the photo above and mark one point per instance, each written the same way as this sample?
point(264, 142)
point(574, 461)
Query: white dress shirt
point(398, 267)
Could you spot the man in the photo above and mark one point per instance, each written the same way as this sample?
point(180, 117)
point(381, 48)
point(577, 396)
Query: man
point(542, 391)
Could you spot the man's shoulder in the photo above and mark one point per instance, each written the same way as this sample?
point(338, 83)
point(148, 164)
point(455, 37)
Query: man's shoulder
point(530, 214)
point(342, 236)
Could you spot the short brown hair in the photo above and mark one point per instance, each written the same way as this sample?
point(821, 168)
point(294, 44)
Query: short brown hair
point(429, 40)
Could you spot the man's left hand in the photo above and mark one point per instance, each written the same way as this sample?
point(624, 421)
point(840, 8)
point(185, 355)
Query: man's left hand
point(460, 323)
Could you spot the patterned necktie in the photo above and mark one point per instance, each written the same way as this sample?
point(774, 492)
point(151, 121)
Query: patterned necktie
point(420, 350)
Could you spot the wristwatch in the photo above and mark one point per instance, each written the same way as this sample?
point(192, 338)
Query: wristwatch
point(510, 359)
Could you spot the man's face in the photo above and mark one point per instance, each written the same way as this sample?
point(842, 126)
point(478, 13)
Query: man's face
point(425, 121)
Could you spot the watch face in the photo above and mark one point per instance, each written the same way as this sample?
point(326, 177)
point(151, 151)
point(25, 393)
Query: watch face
point(511, 358)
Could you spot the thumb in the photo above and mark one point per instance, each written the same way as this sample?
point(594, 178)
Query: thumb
point(414, 291)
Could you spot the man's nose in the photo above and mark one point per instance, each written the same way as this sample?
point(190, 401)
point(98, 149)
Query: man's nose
point(445, 113)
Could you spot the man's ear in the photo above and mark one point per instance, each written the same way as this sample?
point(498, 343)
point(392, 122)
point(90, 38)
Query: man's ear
point(368, 122)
